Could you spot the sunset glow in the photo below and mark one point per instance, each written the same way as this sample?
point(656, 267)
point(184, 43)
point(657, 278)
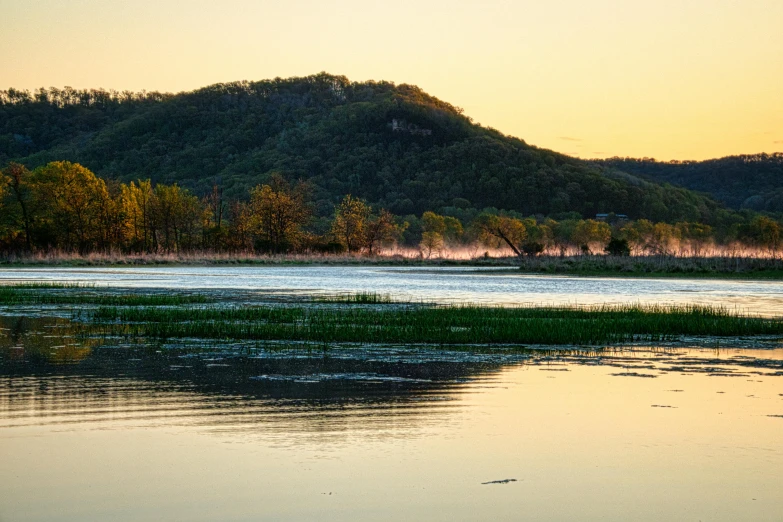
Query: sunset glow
point(670, 79)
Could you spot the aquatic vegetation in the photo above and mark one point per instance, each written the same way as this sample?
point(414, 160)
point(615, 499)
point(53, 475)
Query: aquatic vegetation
point(440, 325)
point(358, 298)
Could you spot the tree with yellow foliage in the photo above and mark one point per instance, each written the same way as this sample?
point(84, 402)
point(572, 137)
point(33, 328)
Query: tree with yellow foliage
point(350, 220)
point(74, 197)
point(496, 231)
point(278, 213)
point(137, 202)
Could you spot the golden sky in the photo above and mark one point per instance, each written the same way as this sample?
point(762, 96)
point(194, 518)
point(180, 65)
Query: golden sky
point(670, 79)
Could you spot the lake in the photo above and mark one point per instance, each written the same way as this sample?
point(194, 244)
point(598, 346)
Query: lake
point(111, 430)
point(442, 285)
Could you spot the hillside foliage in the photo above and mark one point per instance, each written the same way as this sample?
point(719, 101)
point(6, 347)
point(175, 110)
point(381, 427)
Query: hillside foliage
point(394, 146)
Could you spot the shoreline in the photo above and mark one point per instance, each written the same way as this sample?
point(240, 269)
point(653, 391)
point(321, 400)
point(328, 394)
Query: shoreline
point(726, 267)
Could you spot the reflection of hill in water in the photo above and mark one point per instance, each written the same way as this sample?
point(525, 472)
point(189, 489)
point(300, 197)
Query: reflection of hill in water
point(48, 375)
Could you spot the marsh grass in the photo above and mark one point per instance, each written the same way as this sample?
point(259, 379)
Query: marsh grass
point(45, 285)
point(442, 325)
point(357, 298)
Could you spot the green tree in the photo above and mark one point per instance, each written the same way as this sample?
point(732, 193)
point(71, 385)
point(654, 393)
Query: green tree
point(19, 206)
point(618, 247)
point(563, 233)
point(695, 235)
point(764, 232)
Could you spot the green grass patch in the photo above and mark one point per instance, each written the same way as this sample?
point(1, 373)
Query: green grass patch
point(443, 325)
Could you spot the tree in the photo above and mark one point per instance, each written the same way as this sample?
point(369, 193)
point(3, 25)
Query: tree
point(590, 233)
point(496, 230)
point(350, 221)
point(240, 228)
point(279, 211)
point(663, 238)
point(72, 197)
point(539, 236)
point(764, 232)
point(618, 247)
point(431, 243)
point(213, 226)
point(563, 233)
point(696, 235)
point(379, 230)
point(137, 203)
point(448, 228)
point(18, 187)
point(432, 222)
point(638, 234)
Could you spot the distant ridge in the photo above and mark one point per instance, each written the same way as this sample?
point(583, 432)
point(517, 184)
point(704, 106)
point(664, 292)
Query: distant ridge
point(748, 181)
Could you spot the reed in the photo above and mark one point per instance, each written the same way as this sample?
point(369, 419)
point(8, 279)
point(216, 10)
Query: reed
point(357, 298)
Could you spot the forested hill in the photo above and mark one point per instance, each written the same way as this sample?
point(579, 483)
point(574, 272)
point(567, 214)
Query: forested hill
point(393, 145)
point(749, 181)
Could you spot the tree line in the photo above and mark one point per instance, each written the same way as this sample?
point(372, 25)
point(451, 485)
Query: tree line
point(63, 206)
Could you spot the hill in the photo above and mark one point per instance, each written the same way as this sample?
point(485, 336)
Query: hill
point(393, 145)
point(752, 182)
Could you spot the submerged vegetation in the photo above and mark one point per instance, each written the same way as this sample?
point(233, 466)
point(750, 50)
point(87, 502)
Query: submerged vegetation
point(64, 294)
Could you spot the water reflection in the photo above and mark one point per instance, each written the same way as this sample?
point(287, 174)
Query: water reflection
point(115, 431)
point(38, 339)
point(51, 373)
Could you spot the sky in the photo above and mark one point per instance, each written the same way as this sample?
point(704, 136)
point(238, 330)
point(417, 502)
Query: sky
point(669, 79)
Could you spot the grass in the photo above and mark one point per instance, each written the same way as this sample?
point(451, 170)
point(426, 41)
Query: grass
point(443, 325)
point(357, 298)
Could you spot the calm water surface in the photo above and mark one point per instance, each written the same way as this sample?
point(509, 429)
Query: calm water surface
point(94, 429)
point(446, 285)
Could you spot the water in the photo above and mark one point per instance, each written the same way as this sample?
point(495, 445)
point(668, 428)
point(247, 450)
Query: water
point(445, 285)
point(94, 429)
